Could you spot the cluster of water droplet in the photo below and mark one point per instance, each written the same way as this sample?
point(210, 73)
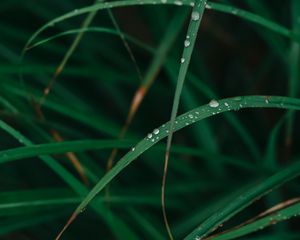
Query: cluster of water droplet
point(152, 136)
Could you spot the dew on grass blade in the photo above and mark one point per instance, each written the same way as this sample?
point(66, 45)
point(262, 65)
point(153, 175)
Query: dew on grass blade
point(179, 3)
point(195, 16)
point(156, 131)
point(187, 43)
point(182, 60)
point(213, 103)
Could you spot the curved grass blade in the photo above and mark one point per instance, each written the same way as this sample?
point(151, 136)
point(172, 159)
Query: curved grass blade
point(192, 117)
point(215, 6)
point(290, 209)
point(191, 37)
point(90, 29)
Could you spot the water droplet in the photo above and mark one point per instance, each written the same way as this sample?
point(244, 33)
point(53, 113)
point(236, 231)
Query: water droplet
point(164, 1)
point(149, 135)
point(195, 16)
point(234, 11)
point(179, 3)
point(182, 60)
point(187, 43)
point(226, 104)
point(191, 116)
point(208, 6)
point(82, 210)
point(267, 101)
point(156, 131)
point(132, 149)
point(192, 4)
point(237, 98)
point(213, 103)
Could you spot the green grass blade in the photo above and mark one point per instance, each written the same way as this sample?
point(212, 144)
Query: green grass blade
point(274, 218)
point(192, 117)
point(91, 29)
point(191, 37)
point(218, 7)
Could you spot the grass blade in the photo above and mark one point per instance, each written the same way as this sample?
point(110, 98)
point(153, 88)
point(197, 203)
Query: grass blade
point(192, 117)
point(191, 37)
point(290, 209)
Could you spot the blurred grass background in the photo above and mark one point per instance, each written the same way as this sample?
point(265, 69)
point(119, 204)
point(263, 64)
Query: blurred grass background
point(211, 162)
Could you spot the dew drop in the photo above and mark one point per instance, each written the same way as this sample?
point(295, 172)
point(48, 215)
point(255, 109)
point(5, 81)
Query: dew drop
point(149, 135)
point(156, 131)
point(234, 11)
point(191, 116)
point(208, 6)
point(187, 43)
point(195, 16)
point(132, 149)
point(182, 60)
point(179, 3)
point(82, 210)
point(164, 1)
point(226, 104)
point(213, 103)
